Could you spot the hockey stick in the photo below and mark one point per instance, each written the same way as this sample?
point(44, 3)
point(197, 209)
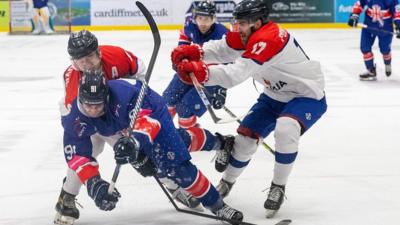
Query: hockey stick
point(203, 94)
point(133, 114)
point(376, 29)
point(197, 213)
point(266, 146)
point(201, 91)
point(282, 222)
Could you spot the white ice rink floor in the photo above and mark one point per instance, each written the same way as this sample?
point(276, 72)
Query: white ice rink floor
point(347, 170)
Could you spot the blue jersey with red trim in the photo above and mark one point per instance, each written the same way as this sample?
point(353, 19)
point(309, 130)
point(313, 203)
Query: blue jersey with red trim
point(379, 13)
point(37, 4)
point(153, 127)
point(191, 33)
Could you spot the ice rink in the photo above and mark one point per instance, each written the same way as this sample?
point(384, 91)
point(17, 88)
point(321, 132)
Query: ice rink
point(347, 171)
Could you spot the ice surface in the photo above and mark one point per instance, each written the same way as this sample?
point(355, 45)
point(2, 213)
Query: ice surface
point(347, 170)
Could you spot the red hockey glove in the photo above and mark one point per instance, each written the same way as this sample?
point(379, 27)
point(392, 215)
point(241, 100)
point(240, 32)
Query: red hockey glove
point(190, 52)
point(198, 68)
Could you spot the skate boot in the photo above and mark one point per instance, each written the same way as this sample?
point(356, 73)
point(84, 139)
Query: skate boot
point(370, 75)
point(388, 70)
point(184, 197)
point(36, 31)
point(48, 30)
point(275, 199)
point(224, 187)
point(225, 152)
point(66, 209)
point(228, 212)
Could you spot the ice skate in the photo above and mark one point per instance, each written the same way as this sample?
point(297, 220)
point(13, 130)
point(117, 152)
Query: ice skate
point(66, 209)
point(370, 75)
point(186, 198)
point(224, 187)
point(228, 212)
point(36, 31)
point(48, 30)
point(275, 199)
point(388, 70)
point(225, 151)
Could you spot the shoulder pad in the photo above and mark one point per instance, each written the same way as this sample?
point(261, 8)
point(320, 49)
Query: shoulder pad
point(265, 43)
point(233, 40)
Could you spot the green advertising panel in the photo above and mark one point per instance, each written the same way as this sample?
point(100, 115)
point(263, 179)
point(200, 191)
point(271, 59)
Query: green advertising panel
point(306, 11)
point(4, 10)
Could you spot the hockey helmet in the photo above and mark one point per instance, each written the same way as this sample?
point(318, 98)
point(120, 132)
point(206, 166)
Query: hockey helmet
point(205, 8)
point(93, 88)
point(252, 10)
point(81, 44)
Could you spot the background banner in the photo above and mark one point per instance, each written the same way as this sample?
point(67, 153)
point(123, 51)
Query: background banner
point(305, 11)
point(4, 17)
point(125, 12)
point(343, 9)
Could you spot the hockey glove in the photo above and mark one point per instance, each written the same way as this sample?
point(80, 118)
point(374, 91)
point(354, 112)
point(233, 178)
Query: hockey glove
point(126, 150)
point(144, 165)
point(353, 20)
point(218, 97)
point(190, 52)
point(198, 68)
point(97, 189)
point(397, 32)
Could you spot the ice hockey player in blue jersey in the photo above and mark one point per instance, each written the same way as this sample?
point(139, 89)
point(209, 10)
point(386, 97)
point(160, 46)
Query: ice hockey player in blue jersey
point(154, 149)
point(379, 18)
point(183, 99)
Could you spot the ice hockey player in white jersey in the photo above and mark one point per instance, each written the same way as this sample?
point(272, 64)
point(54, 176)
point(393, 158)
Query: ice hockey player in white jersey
point(292, 101)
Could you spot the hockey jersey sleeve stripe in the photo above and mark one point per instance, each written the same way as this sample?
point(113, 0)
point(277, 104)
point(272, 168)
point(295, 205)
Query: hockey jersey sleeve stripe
point(148, 126)
point(358, 8)
point(77, 161)
point(396, 15)
point(183, 38)
point(200, 186)
point(84, 167)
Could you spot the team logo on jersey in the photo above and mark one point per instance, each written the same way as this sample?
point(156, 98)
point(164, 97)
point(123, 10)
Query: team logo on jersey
point(114, 72)
point(377, 14)
point(79, 127)
point(276, 86)
point(283, 34)
point(171, 155)
point(116, 110)
point(308, 116)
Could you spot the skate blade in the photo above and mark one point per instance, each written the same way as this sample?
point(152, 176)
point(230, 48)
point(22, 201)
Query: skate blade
point(63, 220)
point(270, 213)
point(368, 79)
point(198, 208)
